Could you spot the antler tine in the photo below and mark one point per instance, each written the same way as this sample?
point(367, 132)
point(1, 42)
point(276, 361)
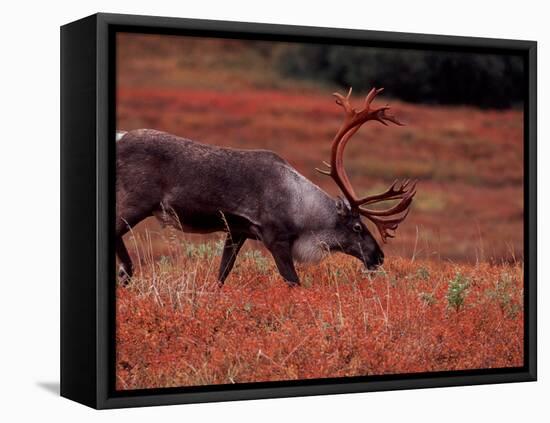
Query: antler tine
point(382, 117)
point(392, 193)
point(344, 101)
point(381, 113)
point(370, 96)
point(406, 193)
point(385, 225)
point(393, 119)
point(398, 208)
point(324, 172)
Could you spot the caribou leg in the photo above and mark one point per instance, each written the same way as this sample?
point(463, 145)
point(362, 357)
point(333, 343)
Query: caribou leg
point(128, 214)
point(282, 254)
point(233, 244)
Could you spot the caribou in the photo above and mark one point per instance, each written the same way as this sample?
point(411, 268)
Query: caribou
point(254, 194)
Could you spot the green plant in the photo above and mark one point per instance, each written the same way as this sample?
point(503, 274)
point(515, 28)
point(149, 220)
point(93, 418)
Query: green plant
point(261, 262)
point(457, 290)
point(422, 273)
point(164, 265)
point(307, 281)
point(428, 298)
point(207, 250)
point(503, 294)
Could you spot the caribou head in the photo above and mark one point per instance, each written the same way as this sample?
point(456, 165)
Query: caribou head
point(355, 238)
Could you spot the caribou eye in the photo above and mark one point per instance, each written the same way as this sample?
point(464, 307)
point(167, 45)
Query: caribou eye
point(357, 227)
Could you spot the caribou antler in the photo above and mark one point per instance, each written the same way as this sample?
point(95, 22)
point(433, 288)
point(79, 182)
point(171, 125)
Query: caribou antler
point(405, 191)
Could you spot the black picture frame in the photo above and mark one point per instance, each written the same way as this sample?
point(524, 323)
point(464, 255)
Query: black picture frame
point(87, 205)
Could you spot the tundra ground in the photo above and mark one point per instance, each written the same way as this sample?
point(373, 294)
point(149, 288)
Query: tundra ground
point(176, 327)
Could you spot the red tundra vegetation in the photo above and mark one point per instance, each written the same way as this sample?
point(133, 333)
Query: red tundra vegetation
point(175, 327)
point(450, 293)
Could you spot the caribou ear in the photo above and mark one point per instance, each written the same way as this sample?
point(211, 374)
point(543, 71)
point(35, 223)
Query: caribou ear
point(341, 207)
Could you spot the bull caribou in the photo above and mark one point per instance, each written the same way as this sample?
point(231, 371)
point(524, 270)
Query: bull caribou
point(254, 194)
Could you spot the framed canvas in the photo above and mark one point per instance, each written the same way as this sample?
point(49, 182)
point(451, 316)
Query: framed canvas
point(208, 253)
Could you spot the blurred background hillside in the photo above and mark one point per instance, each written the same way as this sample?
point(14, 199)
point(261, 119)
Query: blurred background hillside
point(463, 139)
